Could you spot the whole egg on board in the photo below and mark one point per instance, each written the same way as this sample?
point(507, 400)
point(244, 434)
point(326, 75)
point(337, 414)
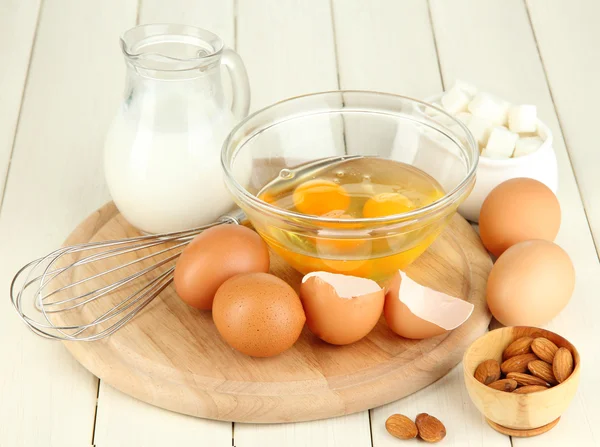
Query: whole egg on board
point(258, 314)
point(530, 283)
point(214, 256)
point(518, 210)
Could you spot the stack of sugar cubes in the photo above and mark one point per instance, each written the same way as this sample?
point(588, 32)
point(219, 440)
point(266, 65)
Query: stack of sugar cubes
point(502, 130)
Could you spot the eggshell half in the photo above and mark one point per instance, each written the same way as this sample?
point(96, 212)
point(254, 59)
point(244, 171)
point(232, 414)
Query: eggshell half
point(414, 311)
point(340, 309)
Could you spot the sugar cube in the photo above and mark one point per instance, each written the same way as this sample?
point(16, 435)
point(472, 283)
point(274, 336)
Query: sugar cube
point(522, 118)
point(432, 112)
point(455, 100)
point(480, 128)
point(527, 145)
point(489, 107)
point(503, 116)
point(501, 143)
point(444, 120)
point(465, 117)
point(469, 89)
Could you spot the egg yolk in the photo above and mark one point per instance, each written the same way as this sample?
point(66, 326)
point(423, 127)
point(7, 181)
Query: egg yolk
point(337, 247)
point(267, 197)
point(387, 204)
point(318, 197)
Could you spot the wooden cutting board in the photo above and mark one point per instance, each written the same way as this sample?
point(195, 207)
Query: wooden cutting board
point(172, 356)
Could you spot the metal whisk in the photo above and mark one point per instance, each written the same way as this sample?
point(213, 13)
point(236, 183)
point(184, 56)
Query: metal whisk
point(49, 284)
point(61, 288)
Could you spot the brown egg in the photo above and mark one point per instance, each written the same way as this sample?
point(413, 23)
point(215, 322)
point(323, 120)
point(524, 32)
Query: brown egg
point(340, 309)
point(214, 256)
point(401, 320)
point(518, 210)
point(530, 283)
point(258, 314)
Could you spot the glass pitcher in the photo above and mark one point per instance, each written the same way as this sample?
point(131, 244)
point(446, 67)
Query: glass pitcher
point(162, 152)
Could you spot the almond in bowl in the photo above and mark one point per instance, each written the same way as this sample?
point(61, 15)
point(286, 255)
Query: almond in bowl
point(539, 376)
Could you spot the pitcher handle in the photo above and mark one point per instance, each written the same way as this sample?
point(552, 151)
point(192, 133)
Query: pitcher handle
point(239, 78)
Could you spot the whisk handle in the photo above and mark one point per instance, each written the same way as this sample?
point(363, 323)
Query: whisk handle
point(236, 216)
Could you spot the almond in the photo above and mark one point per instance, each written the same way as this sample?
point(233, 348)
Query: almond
point(525, 379)
point(529, 389)
point(488, 371)
point(544, 349)
point(519, 346)
point(543, 370)
point(518, 363)
point(508, 385)
point(430, 428)
point(401, 427)
point(562, 367)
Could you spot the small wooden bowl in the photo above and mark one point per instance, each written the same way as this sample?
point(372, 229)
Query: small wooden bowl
point(526, 412)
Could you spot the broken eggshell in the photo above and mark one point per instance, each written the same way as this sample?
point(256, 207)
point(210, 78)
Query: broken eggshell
point(415, 311)
point(340, 309)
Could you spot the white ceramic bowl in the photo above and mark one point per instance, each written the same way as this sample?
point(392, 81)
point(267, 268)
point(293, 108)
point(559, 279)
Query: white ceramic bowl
point(539, 165)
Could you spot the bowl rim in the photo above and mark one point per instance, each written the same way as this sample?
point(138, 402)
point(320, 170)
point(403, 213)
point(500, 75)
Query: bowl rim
point(573, 375)
point(487, 161)
point(440, 204)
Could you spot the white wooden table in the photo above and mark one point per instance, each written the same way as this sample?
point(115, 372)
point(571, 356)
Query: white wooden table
point(61, 78)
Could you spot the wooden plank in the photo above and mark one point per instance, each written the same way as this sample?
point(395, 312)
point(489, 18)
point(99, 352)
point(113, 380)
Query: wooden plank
point(492, 45)
point(376, 50)
point(376, 47)
point(55, 180)
point(288, 49)
point(568, 39)
point(373, 47)
point(447, 399)
point(346, 431)
point(217, 17)
point(18, 22)
point(123, 420)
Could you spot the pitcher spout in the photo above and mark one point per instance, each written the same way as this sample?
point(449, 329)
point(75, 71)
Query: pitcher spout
point(171, 48)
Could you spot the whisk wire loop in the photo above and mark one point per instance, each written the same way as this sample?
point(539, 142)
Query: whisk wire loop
point(71, 295)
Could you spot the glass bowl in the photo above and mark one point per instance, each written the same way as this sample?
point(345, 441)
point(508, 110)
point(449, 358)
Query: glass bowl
point(319, 125)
